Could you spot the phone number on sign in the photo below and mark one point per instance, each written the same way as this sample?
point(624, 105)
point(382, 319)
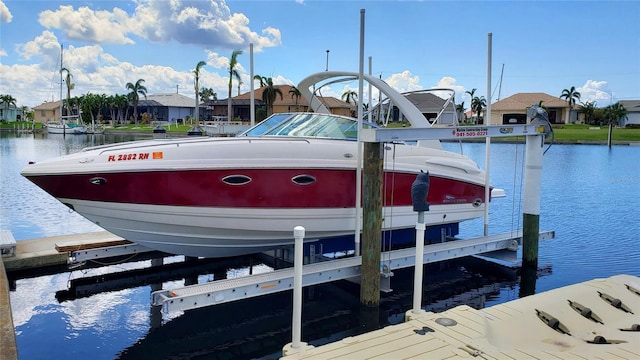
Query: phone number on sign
point(463, 133)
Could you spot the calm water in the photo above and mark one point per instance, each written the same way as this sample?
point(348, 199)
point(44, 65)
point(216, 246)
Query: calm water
point(589, 197)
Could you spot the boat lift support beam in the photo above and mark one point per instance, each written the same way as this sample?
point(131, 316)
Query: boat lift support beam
point(450, 132)
point(228, 290)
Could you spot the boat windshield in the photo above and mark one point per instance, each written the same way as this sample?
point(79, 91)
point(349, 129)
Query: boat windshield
point(308, 125)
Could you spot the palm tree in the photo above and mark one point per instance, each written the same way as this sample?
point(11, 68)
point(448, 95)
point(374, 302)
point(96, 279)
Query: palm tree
point(588, 110)
point(348, 96)
point(196, 87)
point(207, 94)
point(477, 104)
point(24, 110)
point(112, 105)
point(571, 95)
point(261, 79)
point(614, 113)
point(67, 81)
point(294, 92)
point(471, 94)
point(233, 72)
point(136, 90)
point(7, 101)
point(239, 86)
point(269, 94)
point(460, 110)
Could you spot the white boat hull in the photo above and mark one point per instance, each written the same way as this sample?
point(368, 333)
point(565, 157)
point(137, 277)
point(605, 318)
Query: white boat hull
point(221, 232)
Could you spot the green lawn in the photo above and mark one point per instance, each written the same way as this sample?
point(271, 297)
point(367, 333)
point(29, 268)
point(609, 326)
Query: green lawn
point(572, 133)
point(594, 133)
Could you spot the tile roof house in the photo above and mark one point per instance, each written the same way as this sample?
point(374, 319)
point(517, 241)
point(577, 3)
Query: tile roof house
point(48, 111)
point(633, 112)
point(170, 108)
point(430, 105)
point(288, 103)
point(513, 109)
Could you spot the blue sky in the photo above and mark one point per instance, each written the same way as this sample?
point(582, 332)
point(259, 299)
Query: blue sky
point(545, 46)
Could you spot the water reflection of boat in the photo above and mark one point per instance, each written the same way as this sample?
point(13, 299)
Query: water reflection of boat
point(217, 197)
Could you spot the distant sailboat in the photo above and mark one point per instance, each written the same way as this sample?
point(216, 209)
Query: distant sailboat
point(66, 125)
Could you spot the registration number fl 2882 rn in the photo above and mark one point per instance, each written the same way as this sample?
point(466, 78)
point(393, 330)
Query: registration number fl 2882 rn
point(127, 157)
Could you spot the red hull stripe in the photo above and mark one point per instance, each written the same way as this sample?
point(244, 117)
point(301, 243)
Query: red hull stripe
point(268, 188)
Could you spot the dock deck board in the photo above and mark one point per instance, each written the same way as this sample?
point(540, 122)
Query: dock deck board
point(42, 252)
point(510, 330)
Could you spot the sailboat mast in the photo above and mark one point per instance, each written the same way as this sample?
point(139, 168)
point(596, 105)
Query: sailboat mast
point(62, 121)
point(60, 71)
point(500, 88)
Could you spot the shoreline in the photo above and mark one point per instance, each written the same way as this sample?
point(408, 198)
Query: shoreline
point(516, 140)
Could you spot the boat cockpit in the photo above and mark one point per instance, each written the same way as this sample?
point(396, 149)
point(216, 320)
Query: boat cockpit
point(308, 125)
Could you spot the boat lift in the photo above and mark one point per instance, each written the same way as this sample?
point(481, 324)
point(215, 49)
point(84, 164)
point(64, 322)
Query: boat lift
point(222, 291)
point(228, 290)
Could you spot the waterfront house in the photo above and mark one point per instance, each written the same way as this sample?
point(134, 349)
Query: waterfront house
point(167, 108)
point(513, 109)
point(217, 109)
point(633, 112)
point(8, 112)
point(47, 111)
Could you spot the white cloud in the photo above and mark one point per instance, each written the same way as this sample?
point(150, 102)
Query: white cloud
point(204, 23)
point(449, 82)
point(45, 46)
point(597, 91)
point(404, 81)
point(5, 14)
point(89, 25)
point(3, 52)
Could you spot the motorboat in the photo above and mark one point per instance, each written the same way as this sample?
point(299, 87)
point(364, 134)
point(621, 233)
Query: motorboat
point(227, 196)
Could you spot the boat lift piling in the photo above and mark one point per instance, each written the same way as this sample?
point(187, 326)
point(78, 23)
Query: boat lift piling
point(531, 206)
point(372, 225)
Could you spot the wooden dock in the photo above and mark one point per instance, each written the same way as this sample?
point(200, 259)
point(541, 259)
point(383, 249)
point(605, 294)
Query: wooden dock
point(34, 254)
point(8, 347)
point(54, 250)
point(597, 319)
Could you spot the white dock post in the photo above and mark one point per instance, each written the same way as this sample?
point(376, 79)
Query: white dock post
point(417, 278)
point(419, 193)
point(296, 345)
point(298, 234)
point(531, 213)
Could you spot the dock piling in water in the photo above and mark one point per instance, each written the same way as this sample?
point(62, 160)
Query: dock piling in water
point(531, 206)
point(372, 224)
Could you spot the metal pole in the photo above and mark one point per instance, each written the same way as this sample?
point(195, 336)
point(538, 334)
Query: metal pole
point(296, 325)
point(487, 121)
point(359, 143)
point(252, 106)
point(417, 278)
point(327, 67)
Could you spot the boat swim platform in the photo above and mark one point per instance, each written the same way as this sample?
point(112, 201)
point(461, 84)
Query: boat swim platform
point(228, 290)
point(596, 319)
